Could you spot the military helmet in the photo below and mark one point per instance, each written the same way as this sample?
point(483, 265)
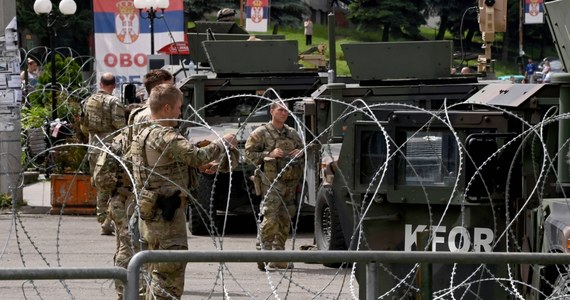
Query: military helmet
point(226, 14)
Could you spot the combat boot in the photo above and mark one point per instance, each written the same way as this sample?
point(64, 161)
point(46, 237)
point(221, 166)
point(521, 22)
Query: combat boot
point(279, 244)
point(281, 265)
point(107, 227)
point(260, 264)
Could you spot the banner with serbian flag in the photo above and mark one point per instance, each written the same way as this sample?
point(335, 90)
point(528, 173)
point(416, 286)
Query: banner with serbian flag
point(534, 11)
point(123, 40)
point(257, 15)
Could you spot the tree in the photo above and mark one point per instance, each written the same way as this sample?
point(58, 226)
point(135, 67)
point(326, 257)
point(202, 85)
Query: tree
point(399, 16)
point(81, 22)
point(70, 86)
point(451, 14)
point(198, 9)
point(288, 13)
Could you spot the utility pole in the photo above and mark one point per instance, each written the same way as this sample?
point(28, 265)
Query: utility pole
point(10, 102)
point(521, 51)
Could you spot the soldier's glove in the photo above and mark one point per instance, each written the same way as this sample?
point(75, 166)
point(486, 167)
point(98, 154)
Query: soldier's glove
point(168, 205)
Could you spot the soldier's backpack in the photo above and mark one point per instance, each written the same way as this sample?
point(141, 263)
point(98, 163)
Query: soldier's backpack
point(92, 116)
point(107, 171)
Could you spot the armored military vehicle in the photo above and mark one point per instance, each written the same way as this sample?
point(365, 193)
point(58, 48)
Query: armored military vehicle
point(434, 162)
point(232, 85)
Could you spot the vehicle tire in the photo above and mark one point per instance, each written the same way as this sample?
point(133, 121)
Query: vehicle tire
point(328, 231)
point(199, 214)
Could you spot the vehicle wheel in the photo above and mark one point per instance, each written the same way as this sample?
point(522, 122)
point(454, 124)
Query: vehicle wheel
point(202, 215)
point(328, 231)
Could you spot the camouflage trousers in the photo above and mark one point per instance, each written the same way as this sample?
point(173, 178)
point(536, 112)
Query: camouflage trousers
point(166, 280)
point(277, 208)
point(103, 196)
point(121, 208)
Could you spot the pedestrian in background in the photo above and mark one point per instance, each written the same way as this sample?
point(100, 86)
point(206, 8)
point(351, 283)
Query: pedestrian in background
point(103, 114)
point(275, 149)
point(308, 31)
point(546, 71)
point(529, 71)
point(30, 78)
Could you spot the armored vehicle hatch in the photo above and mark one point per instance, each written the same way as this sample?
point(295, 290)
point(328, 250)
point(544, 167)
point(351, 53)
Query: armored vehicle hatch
point(252, 57)
point(197, 52)
point(383, 61)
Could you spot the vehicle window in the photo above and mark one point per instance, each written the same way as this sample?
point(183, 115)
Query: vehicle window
point(427, 158)
point(372, 155)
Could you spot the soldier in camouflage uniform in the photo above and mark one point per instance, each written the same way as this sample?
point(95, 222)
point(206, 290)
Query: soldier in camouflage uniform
point(275, 149)
point(103, 114)
point(139, 117)
point(110, 177)
point(161, 157)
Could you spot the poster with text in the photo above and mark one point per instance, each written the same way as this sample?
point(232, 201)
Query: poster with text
point(123, 39)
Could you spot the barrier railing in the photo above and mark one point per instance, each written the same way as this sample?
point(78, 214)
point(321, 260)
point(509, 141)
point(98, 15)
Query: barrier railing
point(63, 273)
point(370, 258)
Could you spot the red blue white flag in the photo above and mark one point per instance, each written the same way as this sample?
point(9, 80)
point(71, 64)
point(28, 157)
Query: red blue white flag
point(257, 15)
point(122, 36)
point(534, 11)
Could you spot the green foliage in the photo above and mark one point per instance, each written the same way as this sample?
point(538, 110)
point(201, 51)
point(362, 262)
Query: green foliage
point(68, 73)
point(69, 86)
point(71, 159)
point(399, 16)
point(70, 30)
point(198, 9)
point(34, 116)
point(288, 13)
point(506, 68)
point(5, 201)
point(320, 36)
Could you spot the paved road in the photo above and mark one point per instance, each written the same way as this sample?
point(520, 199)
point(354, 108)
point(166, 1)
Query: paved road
point(35, 239)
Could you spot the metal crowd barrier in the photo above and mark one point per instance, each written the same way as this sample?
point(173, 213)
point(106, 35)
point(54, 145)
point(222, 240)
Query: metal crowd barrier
point(63, 273)
point(370, 258)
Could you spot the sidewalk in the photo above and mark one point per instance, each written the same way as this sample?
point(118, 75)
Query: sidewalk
point(37, 197)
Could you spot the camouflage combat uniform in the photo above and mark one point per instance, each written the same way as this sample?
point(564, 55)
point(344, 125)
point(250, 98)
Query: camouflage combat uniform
point(161, 158)
point(138, 119)
point(103, 115)
point(278, 205)
point(110, 177)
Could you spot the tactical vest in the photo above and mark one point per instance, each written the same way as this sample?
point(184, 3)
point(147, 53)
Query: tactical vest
point(151, 169)
point(135, 126)
point(98, 113)
point(288, 168)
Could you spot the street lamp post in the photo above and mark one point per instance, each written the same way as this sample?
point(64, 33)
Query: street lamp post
point(66, 7)
point(150, 7)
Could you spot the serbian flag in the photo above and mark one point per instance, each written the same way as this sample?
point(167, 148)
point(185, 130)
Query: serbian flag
point(534, 12)
point(257, 15)
point(122, 36)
